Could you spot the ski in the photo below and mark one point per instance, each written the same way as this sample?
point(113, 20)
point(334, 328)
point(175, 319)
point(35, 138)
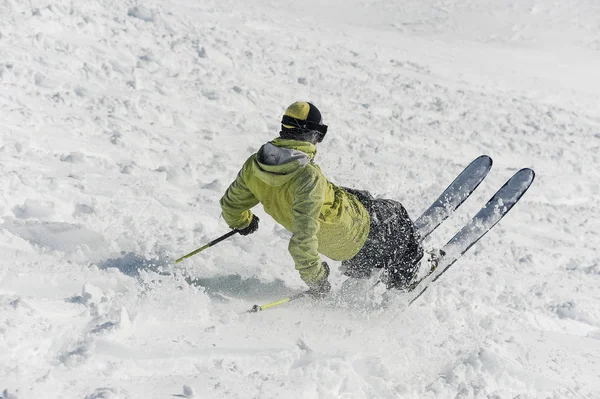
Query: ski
point(491, 213)
point(453, 196)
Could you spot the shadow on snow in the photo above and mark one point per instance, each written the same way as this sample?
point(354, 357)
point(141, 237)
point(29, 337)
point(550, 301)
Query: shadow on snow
point(221, 288)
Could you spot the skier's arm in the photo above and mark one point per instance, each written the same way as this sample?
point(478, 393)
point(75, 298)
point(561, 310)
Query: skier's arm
point(304, 244)
point(236, 202)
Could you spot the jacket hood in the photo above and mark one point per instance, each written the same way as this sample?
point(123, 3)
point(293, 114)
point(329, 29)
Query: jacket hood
point(280, 160)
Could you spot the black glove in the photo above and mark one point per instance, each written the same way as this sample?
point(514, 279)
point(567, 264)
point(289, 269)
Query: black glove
point(252, 227)
point(320, 289)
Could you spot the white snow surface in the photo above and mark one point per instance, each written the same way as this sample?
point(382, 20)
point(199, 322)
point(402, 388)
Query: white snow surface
point(123, 122)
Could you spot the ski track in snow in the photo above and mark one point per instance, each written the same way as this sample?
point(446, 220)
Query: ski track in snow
point(122, 123)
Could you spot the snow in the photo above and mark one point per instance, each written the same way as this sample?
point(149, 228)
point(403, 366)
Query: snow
point(122, 123)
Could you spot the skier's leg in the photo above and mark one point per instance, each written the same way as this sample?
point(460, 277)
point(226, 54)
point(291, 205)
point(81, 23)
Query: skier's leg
point(355, 268)
point(403, 271)
point(384, 241)
point(400, 247)
point(392, 244)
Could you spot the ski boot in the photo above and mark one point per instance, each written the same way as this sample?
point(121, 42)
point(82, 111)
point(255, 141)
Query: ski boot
point(427, 266)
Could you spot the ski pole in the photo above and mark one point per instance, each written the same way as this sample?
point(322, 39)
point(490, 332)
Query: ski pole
point(210, 244)
point(257, 308)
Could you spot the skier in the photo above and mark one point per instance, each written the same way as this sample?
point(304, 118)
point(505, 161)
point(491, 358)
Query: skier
point(343, 224)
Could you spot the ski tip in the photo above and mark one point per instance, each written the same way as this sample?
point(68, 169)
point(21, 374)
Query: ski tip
point(484, 161)
point(529, 172)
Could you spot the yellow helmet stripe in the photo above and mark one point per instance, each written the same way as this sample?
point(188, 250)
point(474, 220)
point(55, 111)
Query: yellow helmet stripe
point(298, 110)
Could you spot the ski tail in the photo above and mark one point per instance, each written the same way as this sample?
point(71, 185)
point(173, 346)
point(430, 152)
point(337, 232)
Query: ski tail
point(454, 195)
point(491, 213)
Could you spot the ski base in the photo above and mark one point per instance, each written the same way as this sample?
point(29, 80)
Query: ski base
point(454, 195)
point(491, 213)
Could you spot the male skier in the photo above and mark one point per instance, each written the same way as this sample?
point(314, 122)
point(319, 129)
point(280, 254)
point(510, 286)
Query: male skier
point(341, 223)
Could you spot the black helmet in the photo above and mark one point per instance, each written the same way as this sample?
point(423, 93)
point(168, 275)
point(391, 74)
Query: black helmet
point(303, 121)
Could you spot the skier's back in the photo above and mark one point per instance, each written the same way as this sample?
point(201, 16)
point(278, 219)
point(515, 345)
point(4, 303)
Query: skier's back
point(343, 224)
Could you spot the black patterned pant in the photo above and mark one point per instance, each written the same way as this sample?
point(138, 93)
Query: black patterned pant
point(392, 244)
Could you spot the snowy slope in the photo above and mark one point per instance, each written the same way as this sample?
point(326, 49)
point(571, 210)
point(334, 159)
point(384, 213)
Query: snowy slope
point(122, 123)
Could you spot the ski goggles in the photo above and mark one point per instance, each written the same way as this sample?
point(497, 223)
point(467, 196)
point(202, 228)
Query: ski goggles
point(319, 128)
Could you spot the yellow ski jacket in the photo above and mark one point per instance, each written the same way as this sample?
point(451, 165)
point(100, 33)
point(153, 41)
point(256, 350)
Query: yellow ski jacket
point(322, 217)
